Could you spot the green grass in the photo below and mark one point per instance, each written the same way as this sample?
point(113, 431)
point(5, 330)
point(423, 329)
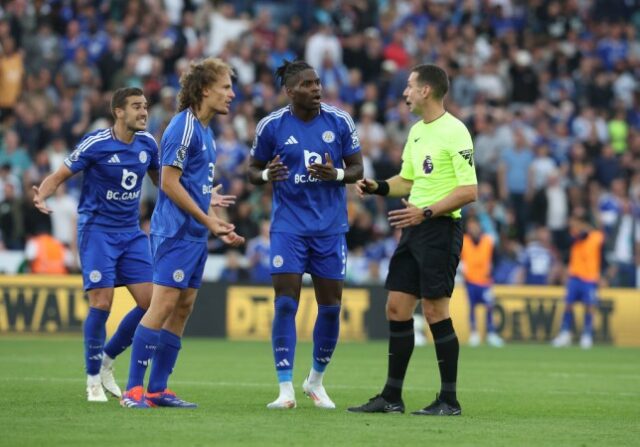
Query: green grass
point(519, 395)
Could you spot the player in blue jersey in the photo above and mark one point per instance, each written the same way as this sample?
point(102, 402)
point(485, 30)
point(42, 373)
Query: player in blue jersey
point(113, 249)
point(309, 151)
point(180, 226)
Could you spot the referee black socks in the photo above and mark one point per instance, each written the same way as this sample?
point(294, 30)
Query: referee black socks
point(447, 350)
point(401, 342)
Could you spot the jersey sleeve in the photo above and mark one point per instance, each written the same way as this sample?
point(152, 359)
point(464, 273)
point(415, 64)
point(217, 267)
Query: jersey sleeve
point(176, 143)
point(84, 154)
point(349, 137)
point(406, 171)
point(154, 163)
point(461, 152)
point(262, 148)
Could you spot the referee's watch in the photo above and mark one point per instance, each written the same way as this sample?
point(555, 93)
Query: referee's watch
point(427, 213)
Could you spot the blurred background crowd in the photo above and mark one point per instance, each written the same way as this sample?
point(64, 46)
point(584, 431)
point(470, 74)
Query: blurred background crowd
point(549, 90)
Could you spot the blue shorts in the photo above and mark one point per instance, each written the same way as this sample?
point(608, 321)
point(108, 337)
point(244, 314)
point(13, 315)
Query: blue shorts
point(114, 259)
point(322, 256)
point(479, 294)
point(579, 290)
point(178, 263)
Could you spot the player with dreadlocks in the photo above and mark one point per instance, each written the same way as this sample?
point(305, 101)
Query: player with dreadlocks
point(308, 150)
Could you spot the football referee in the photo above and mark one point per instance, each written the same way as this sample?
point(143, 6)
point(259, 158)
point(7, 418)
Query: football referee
point(439, 177)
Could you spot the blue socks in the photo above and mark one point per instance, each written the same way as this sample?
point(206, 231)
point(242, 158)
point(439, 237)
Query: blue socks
point(588, 322)
point(164, 361)
point(95, 333)
point(472, 316)
point(490, 327)
point(283, 336)
point(567, 321)
point(145, 342)
point(325, 336)
point(123, 336)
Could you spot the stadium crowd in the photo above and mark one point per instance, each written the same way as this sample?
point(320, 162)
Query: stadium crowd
point(548, 88)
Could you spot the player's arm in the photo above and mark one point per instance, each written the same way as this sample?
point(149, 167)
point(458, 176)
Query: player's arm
point(48, 187)
point(261, 172)
point(154, 175)
point(171, 186)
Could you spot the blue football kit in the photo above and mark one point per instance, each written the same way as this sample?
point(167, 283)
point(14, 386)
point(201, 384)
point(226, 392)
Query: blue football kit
point(113, 249)
point(178, 240)
point(309, 216)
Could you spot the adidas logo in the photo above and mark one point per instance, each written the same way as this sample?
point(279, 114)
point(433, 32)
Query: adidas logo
point(291, 140)
point(114, 159)
point(283, 363)
point(323, 359)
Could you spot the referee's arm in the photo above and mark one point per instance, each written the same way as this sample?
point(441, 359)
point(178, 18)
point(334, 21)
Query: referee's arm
point(398, 186)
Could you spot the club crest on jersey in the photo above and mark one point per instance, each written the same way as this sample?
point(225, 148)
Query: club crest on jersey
point(278, 261)
point(328, 136)
point(143, 157)
point(95, 276)
point(427, 165)
point(178, 275)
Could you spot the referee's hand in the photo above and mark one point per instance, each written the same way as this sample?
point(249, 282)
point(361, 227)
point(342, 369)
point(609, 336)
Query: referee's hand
point(406, 217)
point(366, 186)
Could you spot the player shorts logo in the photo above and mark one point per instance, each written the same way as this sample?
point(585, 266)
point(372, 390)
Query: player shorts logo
point(311, 158)
point(95, 276)
point(143, 157)
point(427, 165)
point(178, 275)
point(328, 136)
point(278, 261)
point(129, 179)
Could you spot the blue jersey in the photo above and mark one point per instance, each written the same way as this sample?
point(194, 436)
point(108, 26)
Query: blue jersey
point(113, 173)
point(538, 262)
point(302, 205)
point(187, 145)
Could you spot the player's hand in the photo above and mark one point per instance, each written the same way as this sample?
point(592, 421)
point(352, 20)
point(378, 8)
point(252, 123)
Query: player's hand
point(325, 172)
point(39, 202)
point(277, 170)
point(220, 199)
point(232, 239)
point(366, 186)
point(220, 227)
point(406, 217)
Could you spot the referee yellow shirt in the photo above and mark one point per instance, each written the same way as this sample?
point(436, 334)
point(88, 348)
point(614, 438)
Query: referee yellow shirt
point(438, 157)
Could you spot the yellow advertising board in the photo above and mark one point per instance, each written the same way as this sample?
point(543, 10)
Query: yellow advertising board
point(43, 303)
point(250, 312)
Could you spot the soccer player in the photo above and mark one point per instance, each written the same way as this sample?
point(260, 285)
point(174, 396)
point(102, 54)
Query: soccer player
point(181, 222)
point(438, 174)
point(584, 274)
point(476, 257)
point(113, 249)
point(309, 151)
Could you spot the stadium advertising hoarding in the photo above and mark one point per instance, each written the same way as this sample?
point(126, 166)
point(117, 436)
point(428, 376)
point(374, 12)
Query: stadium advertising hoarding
point(56, 304)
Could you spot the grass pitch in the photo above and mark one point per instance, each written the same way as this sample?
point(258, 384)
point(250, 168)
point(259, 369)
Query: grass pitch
point(518, 395)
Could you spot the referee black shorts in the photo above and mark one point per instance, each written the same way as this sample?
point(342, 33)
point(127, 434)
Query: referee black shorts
point(425, 261)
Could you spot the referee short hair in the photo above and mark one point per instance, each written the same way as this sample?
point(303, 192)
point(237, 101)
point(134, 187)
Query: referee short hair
point(435, 77)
